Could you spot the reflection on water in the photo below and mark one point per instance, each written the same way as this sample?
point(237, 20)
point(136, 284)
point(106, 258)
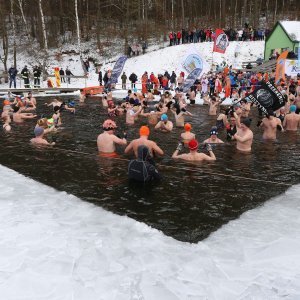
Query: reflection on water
point(193, 199)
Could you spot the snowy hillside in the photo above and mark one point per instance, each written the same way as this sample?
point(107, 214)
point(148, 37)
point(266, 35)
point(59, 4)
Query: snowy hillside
point(158, 61)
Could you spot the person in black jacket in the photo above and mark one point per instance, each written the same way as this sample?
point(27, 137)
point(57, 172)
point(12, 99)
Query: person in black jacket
point(133, 79)
point(36, 76)
point(62, 75)
point(68, 73)
point(12, 76)
point(141, 169)
point(100, 78)
point(25, 76)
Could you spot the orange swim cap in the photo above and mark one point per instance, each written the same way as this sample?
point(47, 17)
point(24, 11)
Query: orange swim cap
point(6, 102)
point(187, 127)
point(144, 130)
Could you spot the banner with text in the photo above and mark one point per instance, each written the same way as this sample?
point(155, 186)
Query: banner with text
point(191, 60)
point(266, 97)
point(221, 41)
point(292, 68)
point(189, 81)
point(117, 70)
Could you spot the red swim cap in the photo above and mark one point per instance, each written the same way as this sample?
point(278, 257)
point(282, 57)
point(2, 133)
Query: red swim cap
point(144, 130)
point(193, 145)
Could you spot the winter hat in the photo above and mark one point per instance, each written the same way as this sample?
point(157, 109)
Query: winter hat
point(38, 131)
point(193, 145)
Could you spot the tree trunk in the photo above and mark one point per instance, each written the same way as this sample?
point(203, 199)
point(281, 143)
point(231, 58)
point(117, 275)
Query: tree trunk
point(98, 28)
point(77, 26)
point(182, 14)
point(23, 17)
point(13, 31)
point(275, 11)
point(43, 26)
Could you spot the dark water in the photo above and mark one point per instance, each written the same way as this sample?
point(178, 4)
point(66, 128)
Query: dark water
point(192, 201)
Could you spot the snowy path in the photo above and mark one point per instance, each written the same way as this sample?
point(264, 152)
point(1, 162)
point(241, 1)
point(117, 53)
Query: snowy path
point(55, 246)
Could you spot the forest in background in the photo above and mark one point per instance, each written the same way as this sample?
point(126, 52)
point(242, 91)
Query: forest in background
point(50, 23)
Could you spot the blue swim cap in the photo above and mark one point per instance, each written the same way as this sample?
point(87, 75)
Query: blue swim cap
point(164, 117)
point(71, 103)
point(293, 108)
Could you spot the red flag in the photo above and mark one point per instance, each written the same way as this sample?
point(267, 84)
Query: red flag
point(221, 41)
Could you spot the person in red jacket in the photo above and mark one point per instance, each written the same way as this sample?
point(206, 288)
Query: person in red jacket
point(144, 82)
point(178, 37)
point(171, 38)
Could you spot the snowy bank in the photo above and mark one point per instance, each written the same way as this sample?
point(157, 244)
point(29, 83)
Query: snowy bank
point(55, 246)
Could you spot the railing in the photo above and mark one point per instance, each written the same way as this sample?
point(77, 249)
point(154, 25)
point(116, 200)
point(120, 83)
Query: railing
point(31, 78)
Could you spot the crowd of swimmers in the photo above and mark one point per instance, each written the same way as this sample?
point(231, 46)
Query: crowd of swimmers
point(162, 113)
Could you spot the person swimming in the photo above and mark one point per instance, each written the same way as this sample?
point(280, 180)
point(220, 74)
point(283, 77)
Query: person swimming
point(194, 155)
point(106, 141)
point(39, 137)
point(164, 124)
point(187, 135)
point(141, 169)
point(213, 139)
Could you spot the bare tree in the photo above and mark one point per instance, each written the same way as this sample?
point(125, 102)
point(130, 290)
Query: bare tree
point(43, 27)
point(77, 27)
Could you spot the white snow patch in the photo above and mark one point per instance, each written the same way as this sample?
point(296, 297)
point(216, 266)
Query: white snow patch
point(55, 246)
point(292, 28)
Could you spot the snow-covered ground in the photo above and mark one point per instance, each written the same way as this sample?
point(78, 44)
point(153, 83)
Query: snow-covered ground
point(55, 246)
point(159, 61)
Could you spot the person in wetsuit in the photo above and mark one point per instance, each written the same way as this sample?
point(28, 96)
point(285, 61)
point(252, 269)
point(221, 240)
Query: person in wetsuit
point(141, 169)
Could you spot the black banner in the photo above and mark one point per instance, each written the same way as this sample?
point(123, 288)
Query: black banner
point(266, 97)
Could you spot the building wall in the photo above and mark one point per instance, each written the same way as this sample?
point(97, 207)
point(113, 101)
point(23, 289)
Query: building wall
point(277, 40)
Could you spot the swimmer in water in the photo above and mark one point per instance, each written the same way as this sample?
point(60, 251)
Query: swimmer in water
point(270, 124)
point(187, 135)
point(6, 125)
point(39, 137)
point(130, 112)
point(291, 121)
point(194, 155)
point(244, 135)
point(213, 139)
point(164, 124)
point(46, 125)
point(19, 117)
point(143, 140)
point(179, 114)
point(106, 141)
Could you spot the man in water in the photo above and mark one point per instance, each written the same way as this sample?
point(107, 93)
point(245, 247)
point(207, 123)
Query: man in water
point(143, 140)
point(39, 137)
point(164, 124)
point(270, 124)
point(141, 169)
point(19, 117)
point(187, 135)
point(213, 139)
point(291, 121)
point(106, 141)
point(244, 135)
point(194, 155)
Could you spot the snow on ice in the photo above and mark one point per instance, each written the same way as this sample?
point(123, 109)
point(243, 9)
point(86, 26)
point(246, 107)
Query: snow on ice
point(55, 246)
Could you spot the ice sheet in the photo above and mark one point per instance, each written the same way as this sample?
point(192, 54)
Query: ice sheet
point(55, 246)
